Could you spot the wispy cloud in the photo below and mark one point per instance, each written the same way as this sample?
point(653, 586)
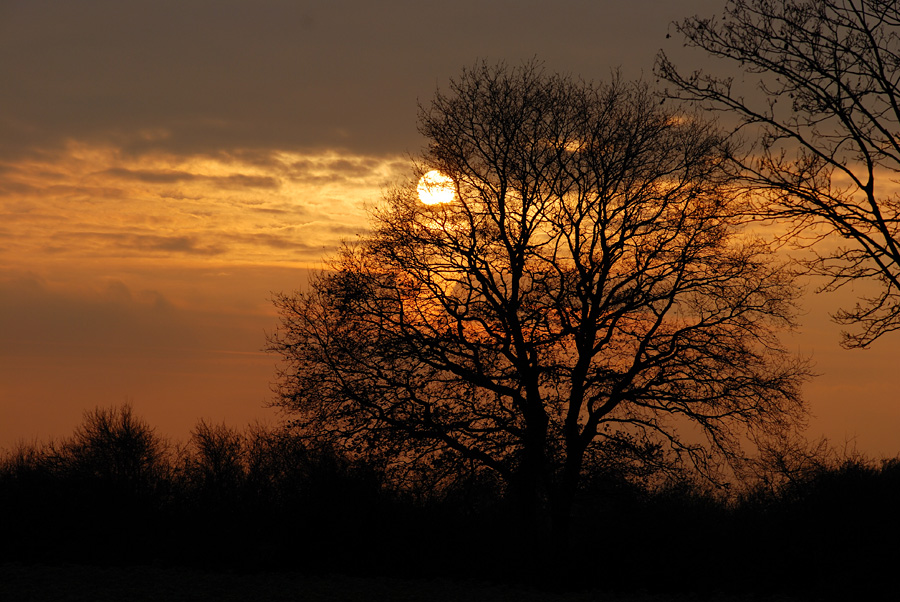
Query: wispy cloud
point(237, 180)
point(263, 208)
point(134, 243)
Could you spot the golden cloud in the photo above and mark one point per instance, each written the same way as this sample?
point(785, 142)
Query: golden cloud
point(98, 202)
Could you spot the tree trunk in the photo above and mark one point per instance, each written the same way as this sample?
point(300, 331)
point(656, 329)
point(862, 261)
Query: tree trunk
point(543, 502)
point(563, 501)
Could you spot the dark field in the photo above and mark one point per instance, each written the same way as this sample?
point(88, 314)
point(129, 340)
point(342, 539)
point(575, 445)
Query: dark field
point(260, 516)
point(20, 583)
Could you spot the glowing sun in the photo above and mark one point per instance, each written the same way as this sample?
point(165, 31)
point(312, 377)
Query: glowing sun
point(435, 188)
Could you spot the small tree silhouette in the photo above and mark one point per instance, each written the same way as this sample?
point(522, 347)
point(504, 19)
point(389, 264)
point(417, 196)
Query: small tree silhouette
point(115, 447)
point(218, 462)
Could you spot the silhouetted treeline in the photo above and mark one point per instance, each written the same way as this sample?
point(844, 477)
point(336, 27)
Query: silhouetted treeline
point(261, 499)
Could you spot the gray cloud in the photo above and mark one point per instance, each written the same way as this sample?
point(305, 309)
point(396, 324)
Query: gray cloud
point(154, 177)
point(40, 321)
point(344, 229)
point(203, 76)
point(275, 241)
point(140, 243)
point(245, 181)
point(173, 176)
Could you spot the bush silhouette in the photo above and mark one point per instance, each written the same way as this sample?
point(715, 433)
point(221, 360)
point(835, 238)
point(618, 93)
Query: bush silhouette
point(264, 499)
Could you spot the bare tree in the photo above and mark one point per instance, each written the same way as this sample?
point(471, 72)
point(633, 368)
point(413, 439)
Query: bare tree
point(588, 291)
point(826, 115)
point(115, 446)
point(219, 458)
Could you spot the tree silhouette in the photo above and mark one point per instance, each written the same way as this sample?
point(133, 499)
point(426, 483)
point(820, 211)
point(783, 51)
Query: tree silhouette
point(587, 295)
point(825, 116)
point(218, 462)
point(114, 446)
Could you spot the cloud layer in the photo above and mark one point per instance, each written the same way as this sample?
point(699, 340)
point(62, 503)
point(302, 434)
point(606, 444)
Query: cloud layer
point(199, 76)
point(94, 202)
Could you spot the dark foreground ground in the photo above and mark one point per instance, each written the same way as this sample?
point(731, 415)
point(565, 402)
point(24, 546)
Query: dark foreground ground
point(115, 514)
point(69, 583)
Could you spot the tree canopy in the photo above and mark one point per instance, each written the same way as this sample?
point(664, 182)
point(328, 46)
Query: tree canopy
point(588, 297)
point(823, 120)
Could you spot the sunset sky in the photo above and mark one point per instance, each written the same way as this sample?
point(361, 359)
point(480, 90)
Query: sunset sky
point(166, 166)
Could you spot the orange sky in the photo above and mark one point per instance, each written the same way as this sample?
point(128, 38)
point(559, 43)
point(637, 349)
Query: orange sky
point(166, 166)
point(148, 279)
